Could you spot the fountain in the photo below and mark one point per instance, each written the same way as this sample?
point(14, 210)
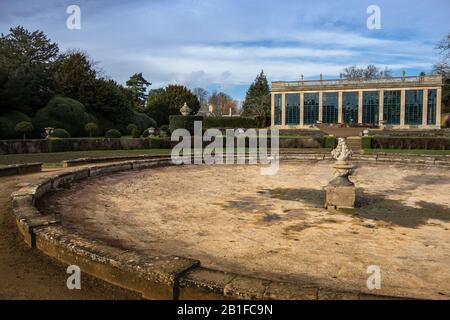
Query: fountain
point(341, 191)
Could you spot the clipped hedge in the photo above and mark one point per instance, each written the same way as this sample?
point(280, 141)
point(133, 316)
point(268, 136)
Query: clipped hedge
point(113, 134)
point(329, 142)
point(429, 143)
point(366, 142)
point(60, 133)
point(183, 122)
point(230, 122)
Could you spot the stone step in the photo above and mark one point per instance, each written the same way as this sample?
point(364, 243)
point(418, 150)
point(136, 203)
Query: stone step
point(355, 144)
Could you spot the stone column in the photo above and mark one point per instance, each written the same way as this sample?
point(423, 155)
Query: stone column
point(302, 108)
point(340, 115)
point(360, 106)
point(381, 106)
point(402, 107)
point(283, 109)
point(425, 108)
point(272, 110)
point(438, 107)
point(320, 118)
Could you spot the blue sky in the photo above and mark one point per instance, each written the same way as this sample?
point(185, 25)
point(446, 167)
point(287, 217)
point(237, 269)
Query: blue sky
point(223, 44)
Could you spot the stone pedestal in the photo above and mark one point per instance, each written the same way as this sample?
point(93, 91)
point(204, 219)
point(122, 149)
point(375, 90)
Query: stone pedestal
point(340, 197)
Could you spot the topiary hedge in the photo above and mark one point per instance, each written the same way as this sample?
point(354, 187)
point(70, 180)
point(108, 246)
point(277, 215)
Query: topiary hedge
point(64, 113)
point(230, 122)
point(430, 143)
point(60, 133)
point(183, 122)
point(366, 142)
point(113, 134)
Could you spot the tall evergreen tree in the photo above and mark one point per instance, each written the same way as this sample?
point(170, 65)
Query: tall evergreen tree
point(138, 87)
point(257, 99)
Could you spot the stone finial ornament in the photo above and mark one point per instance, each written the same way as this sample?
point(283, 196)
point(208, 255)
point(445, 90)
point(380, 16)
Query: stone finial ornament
point(185, 110)
point(342, 151)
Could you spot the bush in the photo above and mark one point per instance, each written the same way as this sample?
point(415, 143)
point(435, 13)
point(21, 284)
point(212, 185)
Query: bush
point(59, 145)
point(164, 130)
point(366, 142)
point(64, 113)
point(143, 121)
point(131, 127)
point(24, 128)
point(183, 122)
point(230, 122)
point(113, 134)
point(136, 133)
point(430, 143)
point(60, 133)
point(6, 128)
point(91, 128)
point(329, 142)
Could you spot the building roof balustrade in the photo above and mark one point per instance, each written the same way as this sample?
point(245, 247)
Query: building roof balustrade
point(413, 81)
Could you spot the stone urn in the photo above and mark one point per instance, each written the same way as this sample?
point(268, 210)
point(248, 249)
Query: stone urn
point(340, 191)
point(185, 110)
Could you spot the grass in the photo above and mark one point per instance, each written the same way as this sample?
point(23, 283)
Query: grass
point(409, 151)
point(54, 159)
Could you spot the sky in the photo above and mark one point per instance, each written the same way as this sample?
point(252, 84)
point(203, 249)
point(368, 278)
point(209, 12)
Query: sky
point(223, 44)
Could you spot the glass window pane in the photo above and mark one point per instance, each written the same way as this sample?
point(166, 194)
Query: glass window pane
point(292, 108)
point(277, 114)
point(311, 108)
point(413, 106)
point(370, 107)
point(330, 107)
point(431, 113)
point(391, 109)
point(350, 107)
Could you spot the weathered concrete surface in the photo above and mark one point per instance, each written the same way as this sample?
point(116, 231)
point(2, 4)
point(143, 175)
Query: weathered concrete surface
point(29, 274)
point(237, 221)
point(204, 284)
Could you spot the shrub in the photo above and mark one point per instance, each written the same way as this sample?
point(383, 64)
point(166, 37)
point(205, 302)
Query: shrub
point(64, 113)
point(61, 133)
point(143, 121)
point(430, 143)
point(59, 145)
point(329, 142)
point(6, 128)
point(183, 122)
point(24, 128)
point(113, 134)
point(366, 142)
point(164, 130)
point(230, 122)
point(131, 127)
point(91, 128)
point(136, 133)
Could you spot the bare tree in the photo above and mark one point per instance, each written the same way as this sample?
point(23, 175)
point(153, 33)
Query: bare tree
point(369, 72)
point(222, 104)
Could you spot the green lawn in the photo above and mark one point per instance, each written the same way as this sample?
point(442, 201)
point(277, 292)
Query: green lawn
point(409, 151)
point(54, 159)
